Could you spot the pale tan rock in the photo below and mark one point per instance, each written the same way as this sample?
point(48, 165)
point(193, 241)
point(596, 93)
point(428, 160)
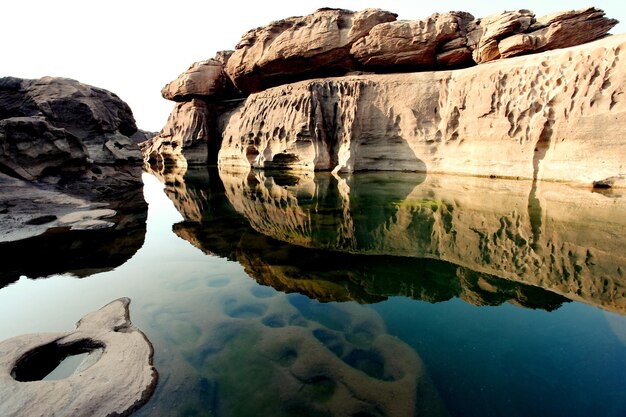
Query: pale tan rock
point(558, 30)
point(187, 128)
point(300, 47)
point(116, 381)
point(484, 34)
point(414, 43)
point(512, 118)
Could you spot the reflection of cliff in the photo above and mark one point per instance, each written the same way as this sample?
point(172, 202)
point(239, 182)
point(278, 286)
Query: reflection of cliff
point(79, 252)
point(564, 239)
point(329, 275)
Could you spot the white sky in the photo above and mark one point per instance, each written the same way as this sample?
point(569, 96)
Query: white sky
point(134, 47)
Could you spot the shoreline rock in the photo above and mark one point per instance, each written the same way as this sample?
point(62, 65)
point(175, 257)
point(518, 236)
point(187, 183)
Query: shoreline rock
point(117, 382)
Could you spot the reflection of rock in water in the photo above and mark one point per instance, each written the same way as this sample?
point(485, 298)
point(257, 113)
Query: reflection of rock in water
point(78, 252)
point(330, 275)
point(480, 224)
point(255, 353)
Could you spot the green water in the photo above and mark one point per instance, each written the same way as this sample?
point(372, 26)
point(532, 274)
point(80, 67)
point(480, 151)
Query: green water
point(363, 295)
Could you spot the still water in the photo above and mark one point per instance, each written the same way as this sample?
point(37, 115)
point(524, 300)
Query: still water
point(372, 294)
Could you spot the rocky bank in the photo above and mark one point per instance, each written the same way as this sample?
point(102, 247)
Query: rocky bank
point(507, 95)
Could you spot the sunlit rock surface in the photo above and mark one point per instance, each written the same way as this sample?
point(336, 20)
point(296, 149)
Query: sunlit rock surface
point(562, 239)
point(115, 379)
point(511, 118)
point(297, 48)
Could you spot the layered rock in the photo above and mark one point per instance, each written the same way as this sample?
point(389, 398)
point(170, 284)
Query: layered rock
point(438, 40)
point(511, 118)
point(116, 378)
point(300, 47)
point(518, 32)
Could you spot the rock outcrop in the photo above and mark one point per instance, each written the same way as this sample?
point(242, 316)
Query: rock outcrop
point(301, 47)
point(512, 118)
point(57, 126)
point(518, 32)
point(425, 121)
point(115, 379)
point(437, 41)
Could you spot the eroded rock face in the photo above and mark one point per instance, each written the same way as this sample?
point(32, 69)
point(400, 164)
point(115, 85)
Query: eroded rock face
point(438, 121)
point(438, 40)
point(115, 379)
point(300, 47)
point(58, 126)
point(187, 128)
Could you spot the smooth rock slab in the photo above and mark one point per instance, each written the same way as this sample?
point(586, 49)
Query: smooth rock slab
point(119, 382)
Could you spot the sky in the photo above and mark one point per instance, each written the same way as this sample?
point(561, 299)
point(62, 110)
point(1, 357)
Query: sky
point(134, 47)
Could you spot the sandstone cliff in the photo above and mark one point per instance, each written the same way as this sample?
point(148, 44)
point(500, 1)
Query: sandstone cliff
point(551, 116)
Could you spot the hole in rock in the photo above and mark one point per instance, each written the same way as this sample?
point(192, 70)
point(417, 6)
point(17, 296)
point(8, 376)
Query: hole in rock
point(54, 362)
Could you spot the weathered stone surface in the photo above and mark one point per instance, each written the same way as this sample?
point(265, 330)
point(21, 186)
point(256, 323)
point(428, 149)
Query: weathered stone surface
point(31, 146)
point(300, 47)
point(56, 126)
point(115, 379)
point(484, 34)
point(415, 43)
point(205, 79)
point(187, 127)
point(558, 30)
point(511, 118)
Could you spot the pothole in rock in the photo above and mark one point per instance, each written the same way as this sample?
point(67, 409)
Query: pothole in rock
point(53, 362)
point(369, 362)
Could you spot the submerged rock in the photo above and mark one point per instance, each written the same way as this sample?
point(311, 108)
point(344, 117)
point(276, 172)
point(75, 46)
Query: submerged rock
point(116, 378)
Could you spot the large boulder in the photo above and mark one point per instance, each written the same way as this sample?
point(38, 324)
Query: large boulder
point(416, 43)
point(58, 125)
point(300, 47)
point(204, 79)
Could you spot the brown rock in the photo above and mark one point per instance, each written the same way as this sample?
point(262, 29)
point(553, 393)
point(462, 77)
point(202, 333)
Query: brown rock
point(58, 126)
point(558, 30)
point(484, 34)
point(300, 47)
point(115, 379)
point(205, 79)
point(414, 43)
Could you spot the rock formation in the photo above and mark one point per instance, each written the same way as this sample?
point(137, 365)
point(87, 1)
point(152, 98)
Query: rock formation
point(57, 125)
point(68, 162)
point(116, 378)
point(512, 118)
point(425, 121)
point(300, 47)
point(438, 41)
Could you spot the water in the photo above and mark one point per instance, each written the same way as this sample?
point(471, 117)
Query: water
point(370, 294)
